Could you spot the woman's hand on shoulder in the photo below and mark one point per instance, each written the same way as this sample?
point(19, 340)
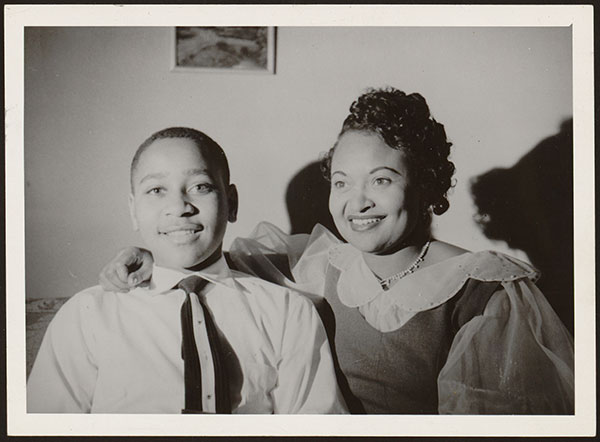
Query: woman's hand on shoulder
point(128, 269)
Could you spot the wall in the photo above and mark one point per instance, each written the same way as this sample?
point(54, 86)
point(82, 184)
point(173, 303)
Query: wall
point(93, 94)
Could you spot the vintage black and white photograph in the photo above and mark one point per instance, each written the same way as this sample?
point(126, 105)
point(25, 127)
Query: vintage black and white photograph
point(383, 226)
point(222, 48)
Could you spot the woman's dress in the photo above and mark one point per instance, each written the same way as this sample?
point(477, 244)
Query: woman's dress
point(469, 335)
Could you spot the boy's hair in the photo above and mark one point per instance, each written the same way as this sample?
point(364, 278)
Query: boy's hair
point(207, 146)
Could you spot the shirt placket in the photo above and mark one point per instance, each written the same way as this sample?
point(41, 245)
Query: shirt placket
point(204, 355)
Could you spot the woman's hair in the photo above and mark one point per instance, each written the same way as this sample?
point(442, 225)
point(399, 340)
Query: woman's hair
point(404, 123)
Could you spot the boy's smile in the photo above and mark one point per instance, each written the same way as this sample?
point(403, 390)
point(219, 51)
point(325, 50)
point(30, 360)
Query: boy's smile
point(183, 234)
point(180, 204)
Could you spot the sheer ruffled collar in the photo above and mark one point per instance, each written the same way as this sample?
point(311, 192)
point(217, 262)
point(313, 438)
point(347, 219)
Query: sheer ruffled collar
point(427, 288)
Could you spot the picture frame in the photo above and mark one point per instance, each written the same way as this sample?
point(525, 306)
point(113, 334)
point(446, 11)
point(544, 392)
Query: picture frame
point(222, 49)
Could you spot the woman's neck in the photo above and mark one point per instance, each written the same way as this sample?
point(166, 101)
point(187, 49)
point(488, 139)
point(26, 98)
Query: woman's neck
point(386, 265)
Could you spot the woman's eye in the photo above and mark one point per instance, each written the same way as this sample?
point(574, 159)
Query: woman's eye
point(381, 181)
point(339, 184)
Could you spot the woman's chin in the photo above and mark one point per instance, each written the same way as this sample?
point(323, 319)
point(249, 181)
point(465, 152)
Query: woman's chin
point(370, 247)
point(367, 247)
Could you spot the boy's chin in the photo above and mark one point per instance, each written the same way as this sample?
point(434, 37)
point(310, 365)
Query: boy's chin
point(189, 263)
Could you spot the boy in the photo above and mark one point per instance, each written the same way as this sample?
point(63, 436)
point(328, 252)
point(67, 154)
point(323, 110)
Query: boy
point(242, 345)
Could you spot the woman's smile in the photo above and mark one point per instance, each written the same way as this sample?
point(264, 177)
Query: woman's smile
point(360, 223)
point(370, 201)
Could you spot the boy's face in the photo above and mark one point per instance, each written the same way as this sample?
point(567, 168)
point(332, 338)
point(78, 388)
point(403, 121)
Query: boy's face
point(180, 204)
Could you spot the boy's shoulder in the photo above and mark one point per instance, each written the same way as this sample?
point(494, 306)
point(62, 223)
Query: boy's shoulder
point(253, 284)
point(269, 292)
point(87, 300)
point(95, 292)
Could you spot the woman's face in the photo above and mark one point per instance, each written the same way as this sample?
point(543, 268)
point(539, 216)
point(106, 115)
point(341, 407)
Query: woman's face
point(371, 200)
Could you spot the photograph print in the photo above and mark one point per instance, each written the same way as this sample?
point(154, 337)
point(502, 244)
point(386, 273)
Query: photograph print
point(224, 48)
point(382, 226)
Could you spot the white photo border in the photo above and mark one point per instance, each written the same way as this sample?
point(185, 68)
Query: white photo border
point(580, 17)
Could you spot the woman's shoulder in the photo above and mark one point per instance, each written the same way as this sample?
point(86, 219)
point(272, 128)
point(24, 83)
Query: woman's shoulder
point(485, 265)
point(451, 268)
point(490, 265)
point(440, 251)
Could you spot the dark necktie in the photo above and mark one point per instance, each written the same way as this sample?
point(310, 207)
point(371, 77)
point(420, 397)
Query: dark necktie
point(189, 353)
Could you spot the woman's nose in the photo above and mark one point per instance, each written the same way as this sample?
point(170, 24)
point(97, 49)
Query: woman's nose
point(360, 200)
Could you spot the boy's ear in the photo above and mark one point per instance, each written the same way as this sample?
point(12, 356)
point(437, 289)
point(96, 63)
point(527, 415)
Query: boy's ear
point(232, 199)
point(134, 222)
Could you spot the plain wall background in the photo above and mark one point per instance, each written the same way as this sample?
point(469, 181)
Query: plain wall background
point(92, 95)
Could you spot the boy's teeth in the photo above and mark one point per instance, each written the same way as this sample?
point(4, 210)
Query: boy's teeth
point(181, 233)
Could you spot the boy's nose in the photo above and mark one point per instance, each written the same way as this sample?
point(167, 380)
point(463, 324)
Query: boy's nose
point(179, 205)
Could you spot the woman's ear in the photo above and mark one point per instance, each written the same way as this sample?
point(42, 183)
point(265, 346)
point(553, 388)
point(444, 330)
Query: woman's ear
point(232, 200)
point(134, 222)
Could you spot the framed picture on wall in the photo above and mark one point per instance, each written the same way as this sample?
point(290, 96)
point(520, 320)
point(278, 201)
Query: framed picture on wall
point(248, 49)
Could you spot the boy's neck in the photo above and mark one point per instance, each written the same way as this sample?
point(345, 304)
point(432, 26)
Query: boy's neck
point(216, 256)
point(212, 259)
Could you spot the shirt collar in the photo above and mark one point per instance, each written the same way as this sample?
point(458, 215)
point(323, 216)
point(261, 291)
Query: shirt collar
point(164, 279)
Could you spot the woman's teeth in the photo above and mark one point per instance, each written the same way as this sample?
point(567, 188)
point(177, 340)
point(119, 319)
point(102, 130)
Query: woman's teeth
point(365, 221)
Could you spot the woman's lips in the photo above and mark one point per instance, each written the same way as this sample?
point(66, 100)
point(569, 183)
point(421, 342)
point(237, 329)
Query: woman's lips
point(361, 223)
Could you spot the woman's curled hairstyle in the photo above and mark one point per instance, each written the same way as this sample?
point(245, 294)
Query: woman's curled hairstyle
point(404, 122)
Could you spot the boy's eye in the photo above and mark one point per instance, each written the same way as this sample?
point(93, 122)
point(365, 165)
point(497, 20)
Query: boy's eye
point(201, 188)
point(155, 191)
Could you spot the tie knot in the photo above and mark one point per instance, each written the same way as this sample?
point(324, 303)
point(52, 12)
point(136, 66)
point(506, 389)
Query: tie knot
point(192, 284)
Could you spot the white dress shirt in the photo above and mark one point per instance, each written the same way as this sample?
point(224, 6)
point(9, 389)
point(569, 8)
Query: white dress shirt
point(108, 352)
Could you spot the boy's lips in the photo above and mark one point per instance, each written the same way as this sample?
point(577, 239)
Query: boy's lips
point(359, 223)
point(182, 234)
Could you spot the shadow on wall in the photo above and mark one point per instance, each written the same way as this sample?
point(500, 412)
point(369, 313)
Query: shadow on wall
point(307, 200)
point(530, 206)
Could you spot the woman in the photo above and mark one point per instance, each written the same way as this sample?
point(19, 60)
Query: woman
point(418, 325)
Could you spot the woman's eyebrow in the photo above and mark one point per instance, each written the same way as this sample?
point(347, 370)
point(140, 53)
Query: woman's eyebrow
point(339, 172)
point(391, 169)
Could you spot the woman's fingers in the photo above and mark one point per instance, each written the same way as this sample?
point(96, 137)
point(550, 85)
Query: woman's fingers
point(114, 276)
point(129, 268)
point(120, 271)
point(111, 281)
point(144, 272)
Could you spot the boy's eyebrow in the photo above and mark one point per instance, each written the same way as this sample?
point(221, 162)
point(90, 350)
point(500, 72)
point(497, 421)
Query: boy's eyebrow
point(150, 176)
point(188, 172)
point(198, 171)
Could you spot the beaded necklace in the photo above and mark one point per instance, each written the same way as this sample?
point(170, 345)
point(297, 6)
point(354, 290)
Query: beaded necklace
point(387, 282)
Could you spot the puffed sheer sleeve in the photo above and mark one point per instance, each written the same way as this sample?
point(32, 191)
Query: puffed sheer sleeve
point(297, 261)
point(516, 358)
